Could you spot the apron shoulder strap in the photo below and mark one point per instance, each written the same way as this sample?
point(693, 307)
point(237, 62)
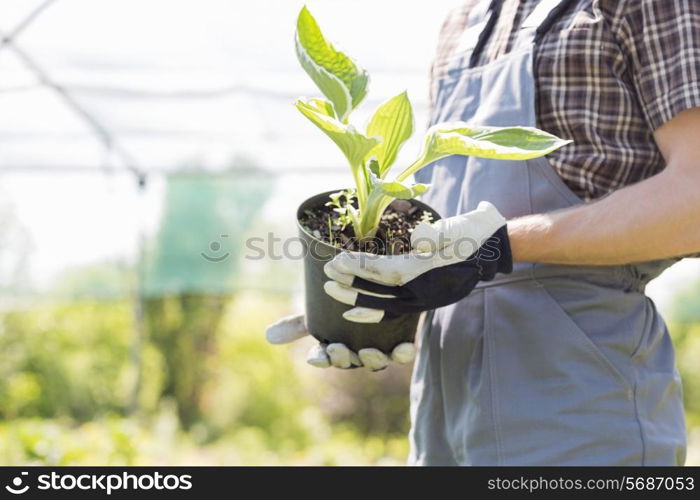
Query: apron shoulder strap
point(542, 18)
point(545, 14)
point(493, 12)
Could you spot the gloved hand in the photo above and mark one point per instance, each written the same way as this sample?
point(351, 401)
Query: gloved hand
point(449, 258)
point(293, 328)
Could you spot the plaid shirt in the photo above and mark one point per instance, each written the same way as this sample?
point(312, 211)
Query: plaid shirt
point(608, 73)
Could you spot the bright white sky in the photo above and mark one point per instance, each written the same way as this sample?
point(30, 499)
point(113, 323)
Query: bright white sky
point(176, 80)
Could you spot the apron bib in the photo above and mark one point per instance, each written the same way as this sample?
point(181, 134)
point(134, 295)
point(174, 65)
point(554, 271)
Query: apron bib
point(549, 365)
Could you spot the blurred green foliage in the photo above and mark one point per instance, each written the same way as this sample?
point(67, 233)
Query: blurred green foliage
point(685, 330)
point(67, 373)
point(687, 341)
point(183, 328)
point(119, 441)
point(65, 382)
point(67, 360)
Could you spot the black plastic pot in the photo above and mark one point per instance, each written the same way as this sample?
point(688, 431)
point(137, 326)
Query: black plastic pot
point(324, 315)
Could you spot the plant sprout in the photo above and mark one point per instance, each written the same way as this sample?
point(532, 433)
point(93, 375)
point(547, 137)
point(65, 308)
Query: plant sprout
point(371, 152)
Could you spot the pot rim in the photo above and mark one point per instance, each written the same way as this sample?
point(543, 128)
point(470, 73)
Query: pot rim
point(436, 216)
point(303, 229)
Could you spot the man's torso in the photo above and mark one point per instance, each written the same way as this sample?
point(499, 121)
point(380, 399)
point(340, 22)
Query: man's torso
point(593, 80)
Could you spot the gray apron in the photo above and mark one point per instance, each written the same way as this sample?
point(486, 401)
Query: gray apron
point(549, 365)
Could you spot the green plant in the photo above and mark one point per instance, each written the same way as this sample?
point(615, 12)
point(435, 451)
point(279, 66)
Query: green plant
point(342, 208)
point(370, 154)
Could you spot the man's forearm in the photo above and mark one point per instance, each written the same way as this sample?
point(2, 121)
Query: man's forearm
point(654, 219)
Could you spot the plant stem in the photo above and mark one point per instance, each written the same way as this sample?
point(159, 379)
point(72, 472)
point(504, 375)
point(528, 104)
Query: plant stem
point(371, 215)
point(358, 174)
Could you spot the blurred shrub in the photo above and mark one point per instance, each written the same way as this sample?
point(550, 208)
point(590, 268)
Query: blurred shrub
point(373, 403)
point(261, 387)
point(686, 338)
point(66, 379)
point(183, 329)
point(121, 441)
point(66, 376)
point(685, 330)
point(65, 360)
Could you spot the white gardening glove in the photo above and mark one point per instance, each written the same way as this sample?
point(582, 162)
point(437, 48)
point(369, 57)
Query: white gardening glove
point(449, 258)
point(338, 355)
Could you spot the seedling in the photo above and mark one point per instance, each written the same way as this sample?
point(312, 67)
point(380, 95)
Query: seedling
point(371, 151)
point(342, 202)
